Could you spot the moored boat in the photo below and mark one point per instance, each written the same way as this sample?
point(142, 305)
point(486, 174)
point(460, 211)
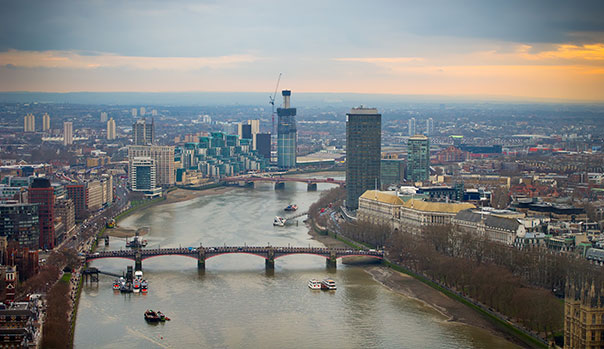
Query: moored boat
point(144, 286)
point(328, 284)
point(279, 221)
point(314, 284)
point(117, 284)
point(136, 287)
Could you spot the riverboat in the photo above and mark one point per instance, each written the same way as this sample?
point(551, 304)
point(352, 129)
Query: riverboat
point(314, 284)
point(162, 317)
point(136, 286)
point(328, 284)
point(151, 316)
point(117, 284)
point(290, 208)
point(126, 287)
point(144, 286)
point(279, 221)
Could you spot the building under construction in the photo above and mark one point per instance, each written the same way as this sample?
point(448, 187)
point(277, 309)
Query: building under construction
point(286, 133)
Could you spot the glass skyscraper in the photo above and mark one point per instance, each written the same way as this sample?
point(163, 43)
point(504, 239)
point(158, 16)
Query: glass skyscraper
point(363, 153)
point(286, 134)
point(418, 158)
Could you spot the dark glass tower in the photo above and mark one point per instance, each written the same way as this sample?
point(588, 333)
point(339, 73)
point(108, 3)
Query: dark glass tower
point(418, 158)
point(286, 134)
point(363, 153)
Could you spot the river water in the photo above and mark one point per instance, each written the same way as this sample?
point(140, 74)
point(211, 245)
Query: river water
point(235, 303)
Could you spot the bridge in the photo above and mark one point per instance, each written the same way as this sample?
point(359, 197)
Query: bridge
point(249, 181)
point(269, 253)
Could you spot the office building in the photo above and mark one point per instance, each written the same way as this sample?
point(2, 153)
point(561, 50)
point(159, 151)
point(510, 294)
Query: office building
point(412, 130)
point(45, 122)
point(65, 210)
point(77, 194)
point(19, 223)
point(154, 112)
point(392, 172)
point(245, 131)
point(263, 145)
point(163, 156)
point(42, 193)
point(143, 111)
point(143, 133)
point(111, 132)
point(418, 158)
point(29, 124)
point(134, 112)
point(429, 127)
point(142, 177)
point(67, 133)
point(94, 195)
point(103, 116)
point(363, 153)
point(286, 133)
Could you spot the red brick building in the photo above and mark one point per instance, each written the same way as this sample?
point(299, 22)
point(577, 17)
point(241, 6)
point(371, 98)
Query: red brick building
point(43, 194)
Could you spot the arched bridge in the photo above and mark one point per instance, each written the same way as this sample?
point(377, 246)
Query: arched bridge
point(269, 253)
point(280, 181)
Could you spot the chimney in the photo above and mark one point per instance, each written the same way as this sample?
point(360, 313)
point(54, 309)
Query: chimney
point(286, 94)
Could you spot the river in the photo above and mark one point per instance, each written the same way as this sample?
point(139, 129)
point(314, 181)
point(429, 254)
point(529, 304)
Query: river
point(235, 303)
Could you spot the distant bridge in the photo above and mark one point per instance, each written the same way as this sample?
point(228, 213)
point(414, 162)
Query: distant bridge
point(280, 181)
point(269, 253)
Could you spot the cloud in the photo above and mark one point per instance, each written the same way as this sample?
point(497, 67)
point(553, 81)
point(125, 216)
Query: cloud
point(593, 52)
point(74, 60)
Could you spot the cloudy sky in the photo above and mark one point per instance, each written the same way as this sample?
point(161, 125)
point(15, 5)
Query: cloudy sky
point(527, 48)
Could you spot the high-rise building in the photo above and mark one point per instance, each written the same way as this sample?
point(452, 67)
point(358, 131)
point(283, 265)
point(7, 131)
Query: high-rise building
point(29, 123)
point(142, 177)
point(286, 133)
point(163, 156)
point(67, 133)
point(246, 132)
point(392, 171)
point(429, 127)
point(19, 223)
point(143, 133)
point(45, 122)
point(43, 194)
point(111, 133)
point(263, 145)
point(77, 194)
point(134, 112)
point(154, 112)
point(94, 195)
point(412, 127)
point(143, 111)
point(103, 116)
point(418, 158)
point(363, 153)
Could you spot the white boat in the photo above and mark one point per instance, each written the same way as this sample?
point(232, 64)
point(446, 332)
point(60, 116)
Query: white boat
point(279, 221)
point(138, 274)
point(314, 284)
point(137, 286)
point(328, 284)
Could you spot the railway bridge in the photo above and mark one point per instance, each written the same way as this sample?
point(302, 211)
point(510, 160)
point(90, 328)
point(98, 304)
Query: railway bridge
point(269, 253)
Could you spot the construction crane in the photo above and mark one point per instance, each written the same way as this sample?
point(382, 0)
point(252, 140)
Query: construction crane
point(272, 102)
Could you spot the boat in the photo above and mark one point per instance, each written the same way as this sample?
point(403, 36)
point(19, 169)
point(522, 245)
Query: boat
point(126, 287)
point(151, 316)
point(136, 241)
point(117, 284)
point(144, 286)
point(314, 284)
point(328, 284)
point(279, 221)
point(291, 208)
point(162, 317)
point(136, 286)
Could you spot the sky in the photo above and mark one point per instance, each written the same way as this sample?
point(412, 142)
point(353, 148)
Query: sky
point(529, 49)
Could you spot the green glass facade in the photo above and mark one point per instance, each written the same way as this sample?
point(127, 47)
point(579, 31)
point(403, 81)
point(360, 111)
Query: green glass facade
point(418, 158)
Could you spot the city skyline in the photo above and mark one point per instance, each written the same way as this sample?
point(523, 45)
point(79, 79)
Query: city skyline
point(548, 51)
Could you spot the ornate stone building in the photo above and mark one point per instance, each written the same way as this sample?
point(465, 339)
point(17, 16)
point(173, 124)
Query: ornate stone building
point(583, 316)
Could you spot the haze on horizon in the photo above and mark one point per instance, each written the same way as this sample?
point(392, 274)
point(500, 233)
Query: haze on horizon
point(514, 49)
